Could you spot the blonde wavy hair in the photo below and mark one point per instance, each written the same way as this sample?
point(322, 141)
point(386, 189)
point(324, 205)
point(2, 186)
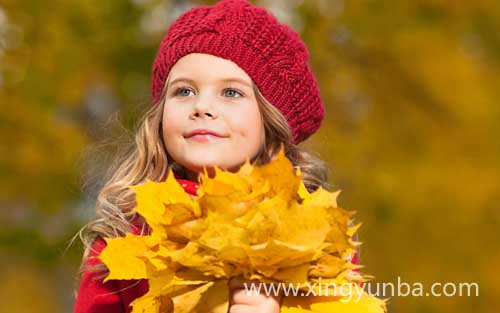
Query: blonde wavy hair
point(147, 158)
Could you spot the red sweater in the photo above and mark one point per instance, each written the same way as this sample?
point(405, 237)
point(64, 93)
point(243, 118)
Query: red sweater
point(115, 296)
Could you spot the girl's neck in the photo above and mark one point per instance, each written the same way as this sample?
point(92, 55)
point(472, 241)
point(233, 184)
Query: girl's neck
point(192, 176)
point(186, 174)
point(195, 176)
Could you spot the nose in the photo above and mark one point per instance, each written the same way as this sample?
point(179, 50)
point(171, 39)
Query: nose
point(203, 109)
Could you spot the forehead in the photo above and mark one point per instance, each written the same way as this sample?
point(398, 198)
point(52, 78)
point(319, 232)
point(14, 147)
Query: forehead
point(202, 66)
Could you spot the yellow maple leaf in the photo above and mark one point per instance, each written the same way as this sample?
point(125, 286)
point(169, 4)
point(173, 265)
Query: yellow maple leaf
point(125, 257)
point(259, 223)
point(348, 303)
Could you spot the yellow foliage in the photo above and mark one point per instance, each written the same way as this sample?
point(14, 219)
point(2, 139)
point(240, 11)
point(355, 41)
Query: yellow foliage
point(259, 223)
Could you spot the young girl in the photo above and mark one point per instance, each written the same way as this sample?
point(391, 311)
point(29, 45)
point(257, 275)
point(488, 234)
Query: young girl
point(229, 82)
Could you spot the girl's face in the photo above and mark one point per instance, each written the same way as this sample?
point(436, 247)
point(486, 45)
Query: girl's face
point(211, 116)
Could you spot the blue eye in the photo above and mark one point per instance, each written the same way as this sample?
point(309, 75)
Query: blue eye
point(229, 92)
point(232, 92)
point(178, 91)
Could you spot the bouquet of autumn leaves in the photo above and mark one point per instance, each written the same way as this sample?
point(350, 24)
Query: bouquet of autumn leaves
point(260, 223)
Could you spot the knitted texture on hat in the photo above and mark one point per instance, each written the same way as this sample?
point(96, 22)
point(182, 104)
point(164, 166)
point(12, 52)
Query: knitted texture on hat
point(271, 53)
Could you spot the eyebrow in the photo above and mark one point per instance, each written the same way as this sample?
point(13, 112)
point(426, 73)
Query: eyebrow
point(225, 80)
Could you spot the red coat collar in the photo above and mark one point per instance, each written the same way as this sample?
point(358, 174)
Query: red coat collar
point(189, 186)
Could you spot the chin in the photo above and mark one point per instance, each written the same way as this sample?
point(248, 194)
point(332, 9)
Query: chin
point(207, 160)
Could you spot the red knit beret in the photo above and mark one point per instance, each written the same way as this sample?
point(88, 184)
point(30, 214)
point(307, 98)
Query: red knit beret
point(271, 53)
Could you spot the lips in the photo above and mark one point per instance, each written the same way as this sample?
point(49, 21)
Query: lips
point(204, 133)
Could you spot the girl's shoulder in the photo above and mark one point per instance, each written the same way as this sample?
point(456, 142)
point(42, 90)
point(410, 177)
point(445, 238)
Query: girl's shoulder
point(113, 296)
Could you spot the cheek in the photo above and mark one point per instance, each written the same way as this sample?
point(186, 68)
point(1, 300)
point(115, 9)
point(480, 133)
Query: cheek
point(248, 123)
point(172, 122)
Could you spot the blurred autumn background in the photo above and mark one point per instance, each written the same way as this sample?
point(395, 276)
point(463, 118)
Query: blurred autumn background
point(412, 133)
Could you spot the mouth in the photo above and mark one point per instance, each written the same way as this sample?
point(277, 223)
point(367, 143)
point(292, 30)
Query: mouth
point(204, 135)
